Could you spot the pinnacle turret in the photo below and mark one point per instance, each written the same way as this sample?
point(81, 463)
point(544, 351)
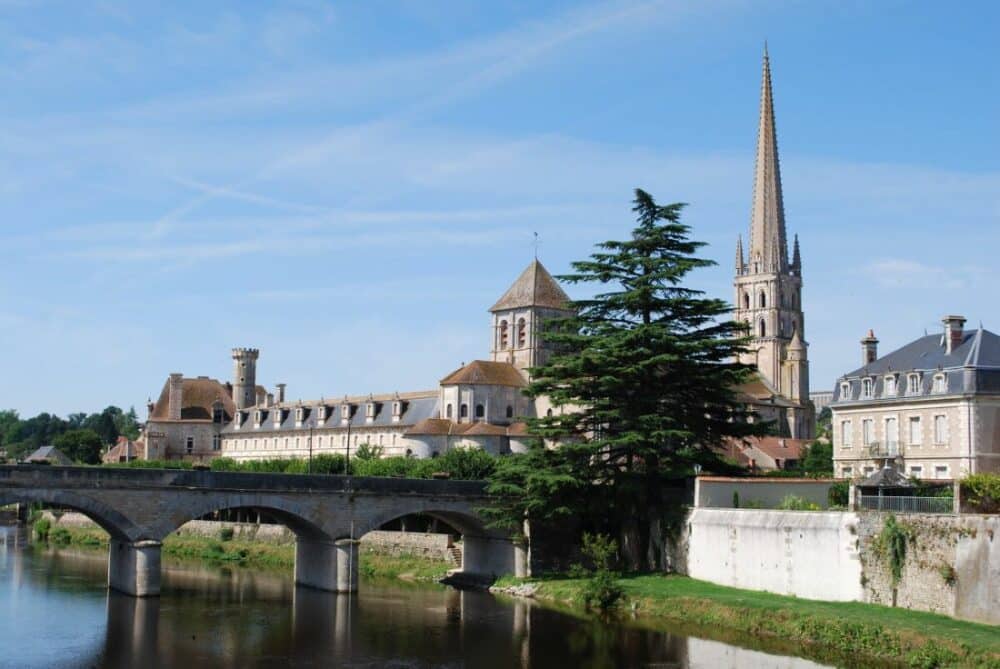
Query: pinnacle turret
point(796, 256)
point(767, 218)
point(740, 264)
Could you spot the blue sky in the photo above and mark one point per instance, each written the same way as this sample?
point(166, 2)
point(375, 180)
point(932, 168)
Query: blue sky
point(349, 186)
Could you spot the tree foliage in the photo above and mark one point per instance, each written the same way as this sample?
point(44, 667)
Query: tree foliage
point(817, 458)
point(20, 437)
point(83, 446)
point(643, 386)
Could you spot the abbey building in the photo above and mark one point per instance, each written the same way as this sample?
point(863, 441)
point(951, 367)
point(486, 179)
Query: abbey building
point(768, 292)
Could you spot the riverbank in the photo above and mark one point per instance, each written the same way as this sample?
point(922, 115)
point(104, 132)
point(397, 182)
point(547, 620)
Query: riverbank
point(823, 630)
point(259, 554)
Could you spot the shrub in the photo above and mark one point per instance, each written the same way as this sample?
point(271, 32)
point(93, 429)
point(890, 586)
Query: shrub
point(226, 534)
point(367, 451)
point(602, 591)
point(42, 527)
point(981, 493)
point(891, 546)
point(839, 493)
point(796, 503)
point(60, 535)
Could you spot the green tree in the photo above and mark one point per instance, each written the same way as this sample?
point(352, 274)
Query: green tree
point(817, 458)
point(644, 375)
point(80, 445)
point(105, 424)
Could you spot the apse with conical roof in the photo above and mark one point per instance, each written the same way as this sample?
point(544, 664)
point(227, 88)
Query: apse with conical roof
point(768, 287)
point(520, 314)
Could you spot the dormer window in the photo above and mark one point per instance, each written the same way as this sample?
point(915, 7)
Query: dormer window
point(345, 413)
point(277, 417)
point(237, 420)
point(257, 416)
point(397, 410)
point(866, 388)
point(913, 384)
point(940, 383)
point(218, 412)
point(370, 411)
point(300, 414)
point(321, 414)
point(889, 388)
point(845, 390)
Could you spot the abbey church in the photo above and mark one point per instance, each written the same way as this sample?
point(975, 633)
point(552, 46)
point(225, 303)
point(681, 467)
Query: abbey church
point(482, 404)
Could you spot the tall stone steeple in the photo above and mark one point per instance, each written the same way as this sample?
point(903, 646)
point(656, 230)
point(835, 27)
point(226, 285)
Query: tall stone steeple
point(768, 245)
point(769, 288)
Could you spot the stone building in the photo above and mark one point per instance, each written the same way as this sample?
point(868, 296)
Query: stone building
point(768, 293)
point(930, 408)
point(479, 405)
point(187, 419)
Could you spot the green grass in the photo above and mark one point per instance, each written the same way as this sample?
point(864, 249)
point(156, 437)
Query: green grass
point(406, 567)
point(824, 630)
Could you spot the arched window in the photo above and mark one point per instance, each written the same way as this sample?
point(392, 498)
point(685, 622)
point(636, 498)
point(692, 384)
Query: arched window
point(746, 300)
point(763, 328)
point(510, 411)
point(504, 335)
point(762, 300)
point(463, 411)
point(480, 411)
point(522, 335)
point(447, 411)
point(549, 413)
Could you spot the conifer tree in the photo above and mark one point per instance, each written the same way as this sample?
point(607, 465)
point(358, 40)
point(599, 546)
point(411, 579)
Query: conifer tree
point(643, 385)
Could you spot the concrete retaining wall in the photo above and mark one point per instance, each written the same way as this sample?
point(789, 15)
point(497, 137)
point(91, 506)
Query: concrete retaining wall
point(952, 563)
point(803, 553)
point(766, 493)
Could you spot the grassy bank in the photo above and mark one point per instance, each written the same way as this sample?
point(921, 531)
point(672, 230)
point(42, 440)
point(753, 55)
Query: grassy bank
point(258, 554)
point(823, 630)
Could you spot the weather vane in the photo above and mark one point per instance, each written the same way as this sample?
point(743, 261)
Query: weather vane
point(535, 243)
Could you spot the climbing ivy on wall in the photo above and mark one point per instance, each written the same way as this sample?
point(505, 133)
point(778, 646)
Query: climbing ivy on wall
point(891, 546)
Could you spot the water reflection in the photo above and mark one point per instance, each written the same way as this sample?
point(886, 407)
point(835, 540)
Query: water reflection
point(240, 618)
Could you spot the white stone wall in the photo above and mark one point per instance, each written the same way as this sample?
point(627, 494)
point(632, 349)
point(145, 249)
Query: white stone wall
point(168, 439)
point(802, 553)
point(250, 444)
point(717, 492)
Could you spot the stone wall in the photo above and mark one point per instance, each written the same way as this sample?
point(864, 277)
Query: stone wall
point(767, 493)
point(952, 564)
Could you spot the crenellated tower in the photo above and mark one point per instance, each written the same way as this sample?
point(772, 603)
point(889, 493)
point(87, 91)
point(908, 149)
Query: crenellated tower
point(768, 287)
point(245, 377)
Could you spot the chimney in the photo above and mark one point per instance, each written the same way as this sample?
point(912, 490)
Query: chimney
point(175, 396)
point(270, 400)
point(869, 349)
point(952, 332)
point(281, 393)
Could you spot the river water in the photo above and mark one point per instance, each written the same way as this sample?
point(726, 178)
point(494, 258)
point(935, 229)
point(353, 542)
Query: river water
point(55, 611)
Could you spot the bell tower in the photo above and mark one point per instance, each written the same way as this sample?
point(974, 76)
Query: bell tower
point(768, 288)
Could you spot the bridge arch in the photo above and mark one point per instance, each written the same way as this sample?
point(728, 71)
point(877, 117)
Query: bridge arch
point(465, 521)
point(290, 514)
point(116, 524)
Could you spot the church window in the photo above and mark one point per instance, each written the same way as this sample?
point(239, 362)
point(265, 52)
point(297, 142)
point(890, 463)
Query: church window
point(510, 411)
point(480, 411)
point(746, 300)
point(463, 411)
point(762, 301)
point(522, 335)
point(504, 335)
point(762, 328)
point(447, 411)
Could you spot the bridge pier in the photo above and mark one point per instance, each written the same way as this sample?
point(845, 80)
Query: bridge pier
point(324, 565)
point(487, 558)
point(134, 567)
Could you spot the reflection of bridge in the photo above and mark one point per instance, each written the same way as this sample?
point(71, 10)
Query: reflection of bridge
point(139, 507)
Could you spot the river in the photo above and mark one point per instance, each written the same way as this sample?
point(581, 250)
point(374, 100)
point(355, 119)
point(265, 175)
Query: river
point(55, 611)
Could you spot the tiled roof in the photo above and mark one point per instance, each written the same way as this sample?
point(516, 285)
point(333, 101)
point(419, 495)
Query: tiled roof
point(197, 397)
point(486, 373)
point(534, 288)
point(50, 453)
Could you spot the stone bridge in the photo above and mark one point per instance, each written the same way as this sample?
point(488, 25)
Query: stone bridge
point(328, 514)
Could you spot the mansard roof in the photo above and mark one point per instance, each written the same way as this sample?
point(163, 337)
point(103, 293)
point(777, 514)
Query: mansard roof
point(197, 398)
point(485, 373)
point(534, 288)
point(979, 349)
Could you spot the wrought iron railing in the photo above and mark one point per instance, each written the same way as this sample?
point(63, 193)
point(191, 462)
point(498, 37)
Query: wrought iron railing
point(907, 503)
point(885, 449)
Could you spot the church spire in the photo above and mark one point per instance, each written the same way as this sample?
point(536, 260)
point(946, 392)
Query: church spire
point(767, 218)
point(739, 255)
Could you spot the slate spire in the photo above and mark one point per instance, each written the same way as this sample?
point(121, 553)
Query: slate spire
point(767, 216)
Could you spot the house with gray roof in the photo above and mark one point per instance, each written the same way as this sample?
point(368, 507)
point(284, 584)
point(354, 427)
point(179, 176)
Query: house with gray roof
point(931, 408)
